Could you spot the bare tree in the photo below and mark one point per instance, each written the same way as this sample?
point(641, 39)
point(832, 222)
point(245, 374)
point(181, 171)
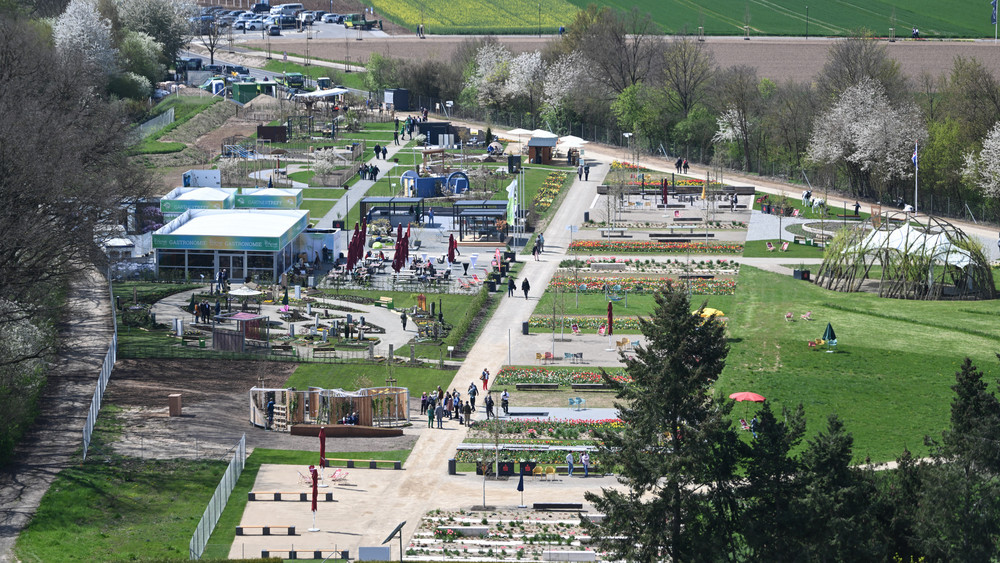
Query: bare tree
point(623, 49)
point(789, 120)
point(972, 98)
point(742, 99)
point(687, 69)
point(858, 57)
point(210, 35)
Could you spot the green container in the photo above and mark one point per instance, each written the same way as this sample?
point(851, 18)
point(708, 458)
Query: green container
point(201, 342)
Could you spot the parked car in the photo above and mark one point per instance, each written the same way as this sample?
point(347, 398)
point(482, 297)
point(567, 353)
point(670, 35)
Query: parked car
point(318, 14)
point(255, 24)
point(236, 71)
point(286, 22)
point(274, 30)
point(333, 18)
point(215, 69)
point(306, 18)
point(261, 8)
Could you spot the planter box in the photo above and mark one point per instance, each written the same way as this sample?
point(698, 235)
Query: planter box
point(801, 274)
point(466, 531)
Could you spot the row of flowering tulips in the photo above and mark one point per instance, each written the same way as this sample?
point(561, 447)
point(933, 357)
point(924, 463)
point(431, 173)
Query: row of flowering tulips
point(654, 247)
point(549, 191)
point(622, 324)
point(512, 375)
point(539, 427)
point(640, 285)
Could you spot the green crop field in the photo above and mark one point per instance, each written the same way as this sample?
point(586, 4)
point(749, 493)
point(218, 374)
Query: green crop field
point(722, 17)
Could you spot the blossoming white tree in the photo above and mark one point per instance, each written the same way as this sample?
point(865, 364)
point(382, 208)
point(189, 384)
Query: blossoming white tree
point(562, 78)
point(490, 77)
point(983, 169)
point(869, 136)
point(82, 31)
point(164, 20)
point(526, 79)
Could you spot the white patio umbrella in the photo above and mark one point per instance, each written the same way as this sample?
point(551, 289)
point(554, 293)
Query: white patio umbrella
point(543, 134)
point(572, 141)
point(518, 131)
point(244, 291)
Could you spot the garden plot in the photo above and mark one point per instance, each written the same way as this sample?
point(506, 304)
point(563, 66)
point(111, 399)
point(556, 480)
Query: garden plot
point(507, 535)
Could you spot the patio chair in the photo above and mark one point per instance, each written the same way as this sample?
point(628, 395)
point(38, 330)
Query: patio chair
point(788, 316)
point(770, 247)
point(579, 357)
point(795, 213)
point(632, 345)
point(539, 471)
point(784, 246)
point(338, 475)
point(744, 425)
point(539, 357)
point(303, 480)
point(550, 472)
point(807, 316)
point(549, 357)
point(568, 357)
point(464, 284)
point(572, 402)
point(576, 329)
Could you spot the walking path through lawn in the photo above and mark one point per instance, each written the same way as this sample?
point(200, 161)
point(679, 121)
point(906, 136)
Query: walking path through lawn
point(57, 433)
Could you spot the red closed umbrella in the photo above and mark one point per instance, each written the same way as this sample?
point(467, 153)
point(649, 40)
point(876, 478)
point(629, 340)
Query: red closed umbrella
point(451, 248)
point(322, 446)
point(315, 481)
point(399, 232)
point(611, 324)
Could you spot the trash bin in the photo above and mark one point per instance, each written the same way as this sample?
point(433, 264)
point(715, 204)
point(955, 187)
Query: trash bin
point(586, 216)
point(492, 285)
point(452, 467)
point(201, 342)
point(524, 328)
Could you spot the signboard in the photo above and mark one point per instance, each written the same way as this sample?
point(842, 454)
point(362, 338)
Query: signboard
point(270, 201)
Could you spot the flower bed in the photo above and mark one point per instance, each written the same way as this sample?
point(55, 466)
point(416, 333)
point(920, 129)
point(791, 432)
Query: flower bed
point(630, 324)
point(512, 375)
point(540, 428)
point(654, 247)
point(641, 285)
point(549, 191)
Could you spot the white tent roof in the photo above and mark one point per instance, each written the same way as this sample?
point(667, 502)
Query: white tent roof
point(909, 240)
point(238, 223)
point(572, 141)
point(543, 134)
point(204, 194)
point(320, 94)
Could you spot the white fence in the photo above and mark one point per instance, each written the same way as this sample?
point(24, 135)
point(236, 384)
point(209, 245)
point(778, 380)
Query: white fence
point(102, 381)
point(219, 499)
point(155, 124)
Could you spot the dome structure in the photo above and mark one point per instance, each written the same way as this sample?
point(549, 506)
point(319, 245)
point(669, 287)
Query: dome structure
point(901, 256)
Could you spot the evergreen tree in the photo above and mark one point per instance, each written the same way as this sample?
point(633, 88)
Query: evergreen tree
point(834, 505)
point(975, 418)
point(677, 454)
point(899, 496)
point(770, 527)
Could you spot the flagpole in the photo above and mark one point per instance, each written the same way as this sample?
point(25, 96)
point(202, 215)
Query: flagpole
point(916, 174)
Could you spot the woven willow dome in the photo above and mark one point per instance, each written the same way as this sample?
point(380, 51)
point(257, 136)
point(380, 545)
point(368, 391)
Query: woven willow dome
point(896, 255)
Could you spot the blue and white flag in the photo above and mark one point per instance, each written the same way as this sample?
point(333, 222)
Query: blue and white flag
point(993, 19)
point(915, 157)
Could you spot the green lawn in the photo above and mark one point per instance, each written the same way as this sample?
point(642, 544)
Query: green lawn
point(890, 377)
point(723, 17)
point(758, 249)
point(150, 292)
point(594, 304)
point(323, 193)
point(318, 208)
point(351, 376)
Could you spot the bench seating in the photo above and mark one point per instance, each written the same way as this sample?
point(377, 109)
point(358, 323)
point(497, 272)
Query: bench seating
point(537, 386)
point(384, 302)
point(589, 386)
point(696, 277)
point(300, 496)
point(265, 530)
point(324, 352)
point(684, 240)
point(687, 219)
point(372, 463)
point(558, 505)
point(609, 231)
point(323, 554)
point(673, 235)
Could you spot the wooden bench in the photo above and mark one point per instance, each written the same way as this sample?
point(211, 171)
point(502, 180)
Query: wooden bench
point(671, 234)
point(299, 496)
point(305, 554)
point(687, 219)
point(282, 348)
point(685, 240)
point(558, 505)
point(537, 386)
point(696, 277)
point(589, 386)
point(372, 463)
point(325, 352)
point(609, 231)
point(384, 302)
point(265, 530)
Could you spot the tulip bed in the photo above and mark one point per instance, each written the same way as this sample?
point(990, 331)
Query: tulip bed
point(622, 324)
point(510, 375)
point(641, 285)
point(549, 191)
point(653, 247)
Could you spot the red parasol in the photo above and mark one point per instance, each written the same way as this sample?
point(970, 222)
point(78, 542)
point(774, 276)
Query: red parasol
point(451, 248)
point(322, 446)
point(407, 231)
point(747, 396)
point(611, 325)
point(399, 232)
point(315, 479)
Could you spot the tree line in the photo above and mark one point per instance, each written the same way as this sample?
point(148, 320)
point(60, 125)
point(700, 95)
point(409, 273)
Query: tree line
point(693, 490)
point(853, 126)
point(65, 182)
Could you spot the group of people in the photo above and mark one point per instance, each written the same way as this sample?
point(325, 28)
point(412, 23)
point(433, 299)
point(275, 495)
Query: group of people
point(380, 150)
point(583, 172)
point(681, 165)
point(441, 404)
point(350, 420)
point(369, 172)
point(584, 461)
point(511, 286)
point(203, 311)
point(222, 281)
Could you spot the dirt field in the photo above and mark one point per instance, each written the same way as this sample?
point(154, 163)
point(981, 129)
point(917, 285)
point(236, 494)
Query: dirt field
point(215, 410)
point(778, 59)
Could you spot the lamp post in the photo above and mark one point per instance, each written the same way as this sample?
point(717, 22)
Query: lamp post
point(628, 147)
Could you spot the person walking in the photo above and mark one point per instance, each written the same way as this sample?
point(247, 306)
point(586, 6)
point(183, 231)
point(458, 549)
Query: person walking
point(678, 164)
point(403, 320)
point(423, 403)
point(541, 243)
point(439, 411)
point(457, 403)
point(586, 173)
point(270, 414)
point(472, 394)
point(485, 377)
point(395, 136)
point(378, 150)
point(579, 172)
point(385, 153)
point(585, 461)
point(430, 418)
point(511, 286)
point(489, 406)
point(534, 251)
point(447, 404)
point(569, 463)
point(857, 209)
point(505, 402)
point(525, 286)
point(468, 414)
point(686, 166)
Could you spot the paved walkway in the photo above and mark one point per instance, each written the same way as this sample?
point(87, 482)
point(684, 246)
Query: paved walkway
point(57, 434)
